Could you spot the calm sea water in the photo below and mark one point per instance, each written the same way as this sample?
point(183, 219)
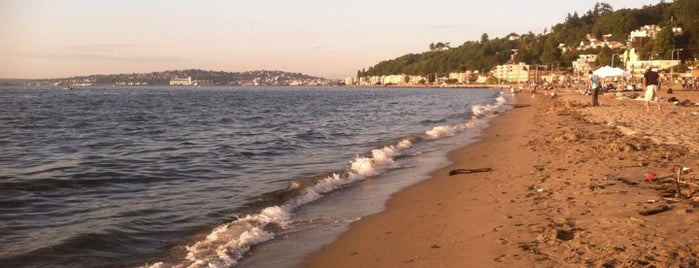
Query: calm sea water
point(168, 176)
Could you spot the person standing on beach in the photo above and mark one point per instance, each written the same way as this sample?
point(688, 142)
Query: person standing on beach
point(595, 86)
point(651, 82)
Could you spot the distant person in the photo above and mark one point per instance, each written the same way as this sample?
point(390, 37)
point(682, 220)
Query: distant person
point(651, 82)
point(595, 86)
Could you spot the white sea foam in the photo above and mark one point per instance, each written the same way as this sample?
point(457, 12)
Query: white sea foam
point(487, 109)
point(226, 244)
point(363, 166)
point(480, 113)
point(405, 144)
point(440, 132)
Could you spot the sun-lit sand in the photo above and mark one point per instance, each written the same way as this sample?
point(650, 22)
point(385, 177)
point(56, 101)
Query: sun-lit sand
point(569, 188)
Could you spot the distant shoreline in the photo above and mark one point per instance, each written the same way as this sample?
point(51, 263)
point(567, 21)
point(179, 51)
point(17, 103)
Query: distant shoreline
point(492, 86)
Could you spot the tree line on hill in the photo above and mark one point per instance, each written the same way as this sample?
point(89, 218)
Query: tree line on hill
point(217, 77)
point(600, 22)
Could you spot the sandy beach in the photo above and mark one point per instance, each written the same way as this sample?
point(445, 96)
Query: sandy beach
point(569, 187)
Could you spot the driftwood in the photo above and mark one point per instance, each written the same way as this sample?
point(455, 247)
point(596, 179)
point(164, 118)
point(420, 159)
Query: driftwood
point(678, 181)
point(627, 181)
point(519, 105)
point(656, 210)
point(467, 171)
point(671, 200)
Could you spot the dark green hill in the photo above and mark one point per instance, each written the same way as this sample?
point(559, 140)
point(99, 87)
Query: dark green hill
point(600, 22)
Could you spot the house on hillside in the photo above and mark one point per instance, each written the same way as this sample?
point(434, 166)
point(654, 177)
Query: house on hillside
point(584, 63)
point(594, 43)
point(648, 31)
point(440, 46)
point(644, 35)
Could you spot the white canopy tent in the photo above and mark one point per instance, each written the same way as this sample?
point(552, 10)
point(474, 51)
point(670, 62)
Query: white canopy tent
point(607, 71)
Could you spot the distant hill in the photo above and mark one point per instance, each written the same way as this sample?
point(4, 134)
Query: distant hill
point(218, 78)
point(602, 22)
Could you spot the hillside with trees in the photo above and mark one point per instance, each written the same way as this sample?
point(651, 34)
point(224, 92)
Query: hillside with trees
point(602, 21)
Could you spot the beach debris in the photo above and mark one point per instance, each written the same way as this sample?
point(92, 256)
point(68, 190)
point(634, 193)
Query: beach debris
point(516, 105)
point(627, 181)
point(678, 183)
point(650, 176)
point(678, 189)
point(469, 170)
point(678, 180)
point(671, 200)
point(565, 235)
point(655, 210)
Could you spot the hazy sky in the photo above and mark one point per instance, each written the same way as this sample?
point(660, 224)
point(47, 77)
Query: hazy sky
point(327, 38)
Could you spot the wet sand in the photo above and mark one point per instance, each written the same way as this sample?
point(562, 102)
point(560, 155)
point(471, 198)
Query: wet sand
point(568, 187)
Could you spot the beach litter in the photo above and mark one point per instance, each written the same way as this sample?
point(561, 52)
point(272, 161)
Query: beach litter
point(678, 184)
point(467, 171)
point(650, 176)
point(654, 211)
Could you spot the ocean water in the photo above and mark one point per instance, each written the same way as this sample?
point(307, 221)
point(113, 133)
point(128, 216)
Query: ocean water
point(219, 176)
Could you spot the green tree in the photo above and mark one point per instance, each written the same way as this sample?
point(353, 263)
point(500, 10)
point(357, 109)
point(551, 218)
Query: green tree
point(685, 15)
point(664, 44)
point(485, 53)
point(602, 9)
point(604, 57)
point(551, 54)
point(484, 38)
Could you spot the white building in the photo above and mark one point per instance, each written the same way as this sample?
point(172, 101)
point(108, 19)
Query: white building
point(393, 79)
point(648, 31)
point(181, 81)
point(370, 80)
point(636, 66)
point(349, 81)
point(417, 80)
point(584, 63)
point(512, 72)
point(460, 77)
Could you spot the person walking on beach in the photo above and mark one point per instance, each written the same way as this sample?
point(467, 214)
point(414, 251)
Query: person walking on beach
point(651, 82)
point(595, 86)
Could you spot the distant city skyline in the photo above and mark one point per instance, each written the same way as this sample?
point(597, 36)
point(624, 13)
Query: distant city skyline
point(330, 39)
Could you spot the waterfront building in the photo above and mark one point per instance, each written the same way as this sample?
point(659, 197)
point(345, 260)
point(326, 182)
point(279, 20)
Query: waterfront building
point(181, 81)
point(511, 73)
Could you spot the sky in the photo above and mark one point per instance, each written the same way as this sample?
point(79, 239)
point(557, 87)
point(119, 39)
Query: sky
point(325, 38)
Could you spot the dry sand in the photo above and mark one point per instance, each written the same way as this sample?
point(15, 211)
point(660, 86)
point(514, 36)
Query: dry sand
point(567, 189)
